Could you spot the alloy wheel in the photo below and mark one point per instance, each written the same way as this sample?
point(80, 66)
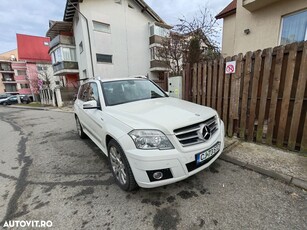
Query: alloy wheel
point(118, 166)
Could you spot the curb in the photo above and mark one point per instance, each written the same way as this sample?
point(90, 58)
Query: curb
point(300, 183)
point(38, 108)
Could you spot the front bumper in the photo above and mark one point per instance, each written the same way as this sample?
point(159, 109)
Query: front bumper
point(178, 160)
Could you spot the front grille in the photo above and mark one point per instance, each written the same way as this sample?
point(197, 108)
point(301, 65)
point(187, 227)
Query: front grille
point(193, 134)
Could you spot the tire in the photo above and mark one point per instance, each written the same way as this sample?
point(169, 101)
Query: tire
point(4, 103)
point(120, 167)
point(81, 134)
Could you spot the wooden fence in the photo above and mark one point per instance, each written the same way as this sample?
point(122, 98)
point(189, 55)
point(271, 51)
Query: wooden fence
point(264, 101)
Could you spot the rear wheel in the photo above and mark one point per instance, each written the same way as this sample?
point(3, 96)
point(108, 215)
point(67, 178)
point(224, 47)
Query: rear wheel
point(4, 103)
point(120, 167)
point(81, 134)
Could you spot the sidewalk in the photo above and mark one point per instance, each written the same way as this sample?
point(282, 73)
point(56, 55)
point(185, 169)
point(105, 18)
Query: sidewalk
point(283, 165)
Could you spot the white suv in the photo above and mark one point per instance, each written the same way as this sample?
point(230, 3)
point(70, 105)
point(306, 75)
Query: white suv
point(150, 139)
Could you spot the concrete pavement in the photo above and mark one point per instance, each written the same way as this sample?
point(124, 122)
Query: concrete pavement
point(283, 165)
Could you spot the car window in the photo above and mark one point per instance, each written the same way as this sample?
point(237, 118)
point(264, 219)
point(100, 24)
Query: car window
point(120, 92)
point(82, 92)
point(93, 92)
point(88, 92)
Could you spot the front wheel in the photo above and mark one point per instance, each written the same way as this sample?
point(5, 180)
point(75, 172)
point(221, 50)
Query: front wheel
point(120, 167)
point(81, 134)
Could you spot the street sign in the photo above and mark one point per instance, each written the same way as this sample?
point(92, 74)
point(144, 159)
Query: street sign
point(230, 67)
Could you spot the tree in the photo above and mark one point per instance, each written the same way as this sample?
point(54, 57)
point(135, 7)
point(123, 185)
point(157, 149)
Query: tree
point(191, 41)
point(171, 50)
point(202, 33)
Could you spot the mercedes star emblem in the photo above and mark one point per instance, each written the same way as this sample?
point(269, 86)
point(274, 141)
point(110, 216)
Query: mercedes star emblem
point(206, 132)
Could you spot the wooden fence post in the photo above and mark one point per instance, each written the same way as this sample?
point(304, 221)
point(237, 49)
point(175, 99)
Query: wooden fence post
point(226, 98)
point(299, 98)
point(246, 80)
point(194, 83)
point(214, 83)
point(254, 94)
point(209, 84)
point(286, 95)
point(204, 78)
point(274, 97)
point(199, 85)
point(235, 95)
point(220, 87)
point(264, 92)
point(304, 138)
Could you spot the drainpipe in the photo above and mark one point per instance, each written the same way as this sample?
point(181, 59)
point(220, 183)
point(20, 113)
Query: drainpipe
point(88, 34)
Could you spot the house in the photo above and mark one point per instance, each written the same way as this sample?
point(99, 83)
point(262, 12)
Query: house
point(258, 24)
point(106, 39)
point(13, 74)
point(34, 66)
point(8, 83)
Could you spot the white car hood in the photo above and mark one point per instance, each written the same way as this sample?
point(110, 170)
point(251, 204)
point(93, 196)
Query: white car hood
point(165, 114)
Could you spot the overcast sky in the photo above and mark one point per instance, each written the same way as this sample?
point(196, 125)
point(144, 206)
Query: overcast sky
point(32, 16)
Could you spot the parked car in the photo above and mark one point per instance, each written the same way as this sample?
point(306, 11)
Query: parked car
point(150, 138)
point(4, 96)
point(13, 100)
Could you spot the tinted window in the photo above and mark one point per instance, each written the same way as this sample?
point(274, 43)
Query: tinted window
point(119, 92)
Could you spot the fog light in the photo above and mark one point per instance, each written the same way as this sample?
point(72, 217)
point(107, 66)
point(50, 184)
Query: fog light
point(157, 175)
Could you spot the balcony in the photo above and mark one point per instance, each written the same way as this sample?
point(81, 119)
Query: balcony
point(62, 40)
point(157, 65)
point(6, 70)
point(11, 89)
point(65, 67)
point(252, 5)
point(156, 39)
point(7, 80)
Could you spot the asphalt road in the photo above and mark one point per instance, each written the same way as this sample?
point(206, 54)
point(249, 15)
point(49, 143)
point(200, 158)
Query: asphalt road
point(48, 173)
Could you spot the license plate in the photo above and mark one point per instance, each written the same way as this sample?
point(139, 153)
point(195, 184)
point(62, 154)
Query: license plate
point(200, 157)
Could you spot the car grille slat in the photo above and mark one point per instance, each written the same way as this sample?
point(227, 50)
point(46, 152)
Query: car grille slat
point(191, 135)
point(187, 138)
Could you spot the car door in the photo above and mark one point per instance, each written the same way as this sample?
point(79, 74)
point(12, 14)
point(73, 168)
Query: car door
point(82, 98)
point(96, 116)
point(12, 100)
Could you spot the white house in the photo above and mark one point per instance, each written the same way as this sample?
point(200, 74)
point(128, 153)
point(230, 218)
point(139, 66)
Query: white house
point(109, 39)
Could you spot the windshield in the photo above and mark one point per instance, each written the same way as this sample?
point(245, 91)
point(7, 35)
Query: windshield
point(120, 92)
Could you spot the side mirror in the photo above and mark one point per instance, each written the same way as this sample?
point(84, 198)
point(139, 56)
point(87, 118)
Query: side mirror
point(167, 93)
point(91, 105)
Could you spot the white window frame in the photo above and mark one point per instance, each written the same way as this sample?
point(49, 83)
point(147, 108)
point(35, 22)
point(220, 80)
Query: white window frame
point(108, 26)
point(282, 23)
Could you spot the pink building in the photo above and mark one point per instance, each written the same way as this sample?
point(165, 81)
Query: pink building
point(32, 52)
point(21, 78)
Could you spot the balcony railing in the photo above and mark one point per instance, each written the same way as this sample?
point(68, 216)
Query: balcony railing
point(8, 80)
point(63, 40)
point(156, 39)
point(65, 67)
point(6, 70)
point(159, 64)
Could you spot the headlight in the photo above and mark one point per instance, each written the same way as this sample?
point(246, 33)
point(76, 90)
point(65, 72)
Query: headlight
point(150, 139)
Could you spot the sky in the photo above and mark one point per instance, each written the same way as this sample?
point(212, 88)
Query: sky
point(32, 16)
